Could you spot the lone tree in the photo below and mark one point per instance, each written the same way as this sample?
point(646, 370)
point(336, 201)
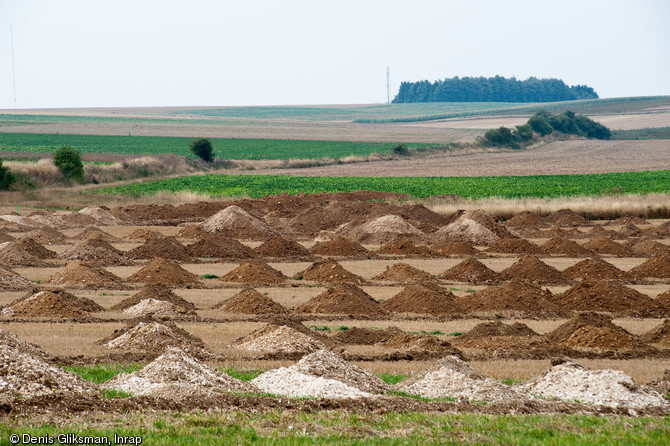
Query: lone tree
point(69, 163)
point(203, 149)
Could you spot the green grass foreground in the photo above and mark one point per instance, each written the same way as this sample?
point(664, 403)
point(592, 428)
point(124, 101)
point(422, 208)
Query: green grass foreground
point(541, 186)
point(341, 427)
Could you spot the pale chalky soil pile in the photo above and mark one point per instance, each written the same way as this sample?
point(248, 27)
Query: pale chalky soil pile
point(278, 339)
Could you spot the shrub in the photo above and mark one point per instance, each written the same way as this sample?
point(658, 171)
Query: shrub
point(501, 136)
point(69, 163)
point(523, 133)
point(591, 128)
point(540, 124)
point(202, 148)
point(400, 149)
point(6, 177)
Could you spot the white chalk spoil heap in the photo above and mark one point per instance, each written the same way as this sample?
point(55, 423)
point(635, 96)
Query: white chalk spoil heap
point(611, 388)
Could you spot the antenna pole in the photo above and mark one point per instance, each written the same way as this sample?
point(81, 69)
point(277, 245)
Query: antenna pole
point(388, 85)
point(11, 31)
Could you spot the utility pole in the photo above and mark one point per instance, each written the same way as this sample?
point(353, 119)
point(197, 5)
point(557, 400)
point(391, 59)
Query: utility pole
point(388, 85)
point(11, 31)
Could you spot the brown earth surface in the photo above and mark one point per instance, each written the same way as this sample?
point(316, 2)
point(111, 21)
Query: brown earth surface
point(423, 299)
point(254, 272)
point(164, 271)
point(533, 269)
point(472, 271)
point(328, 271)
point(403, 273)
point(343, 299)
point(157, 291)
point(606, 295)
point(595, 268)
point(250, 301)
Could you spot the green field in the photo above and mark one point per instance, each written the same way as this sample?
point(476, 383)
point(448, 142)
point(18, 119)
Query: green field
point(545, 186)
point(252, 149)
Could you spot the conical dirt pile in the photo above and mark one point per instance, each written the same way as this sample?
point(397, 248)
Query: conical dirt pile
point(658, 267)
point(24, 252)
point(384, 229)
point(158, 308)
point(164, 247)
point(219, 247)
point(280, 247)
point(417, 342)
point(533, 269)
point(422, 299)
point(403, 273)
point(564, 247)
point(46, 236)
point(178, 375)
point(328, 271)
point(471, 271)
point(78, 274)
point(609, 296)
point(648, 248)
point(250, 301)
point(96, 252)
point(518, 296)
point(404, 247)
point(600, 232)
point(567, 217)
point(254, 272)
point(497, 328)
point(56, 304)
point(235, 222)
point(9, 280)
point(365, 336)
point(630, 230)
point(155, 291)
point(477, 227)
point(192, 232)
point(4, 237)
point(165, 272)
point(594, 268)
point(93, 232)
point(343, 299)
point(594, 330)
point(663, 303)
point(603, 245)
point(339, 247)
point(278, 339)
point(456, 249)
point(144, 234)
point(499, 338)
point(514, 246)
point(526, 219)
point(101, 215)
point(659, 335)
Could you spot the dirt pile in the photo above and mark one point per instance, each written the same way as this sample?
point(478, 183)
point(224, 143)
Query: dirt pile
point(192, 232)
point(514, 246)
point(9, 280)
point(403, 273)
point(177, 375)
point(611, 388)
point(477, 227)
point(567, 218)
point(384, 229)
point(55, 304)
point(658, 267)
point(79, 274)
point(25, 374)
point(217, 246)
point(456, 249)
point(658, 335)
point(339, 247)
point(663, 303)
point(526, 219)
point(499, 339)
point(533, 269)
point(25, 252)
point(328, 271)
point(101, 215)
point(404, 247)
point(164, 247)
point(595, 331)
point(278, 339)
point(144, 234)
point(600, 232)
point(250, 301)
point(518, 295)
point(451, 377)
point(165, 272)
point(564, 247)
point(648, 248)
point(4, 237)
point(416, 342)
point(93, 232)
point(630, 230)
point(235, 222)
point(278, 246)
point(64, 219)
point(150, 336)
point(603, 245)
point(422, 299)
point(95, 251)
point(365, 336)
point(607, 295)
point(497, 328)
point(472, 271)
point(155, 291)
point(343, 299)
point(158, 308)
point(594, 268)
point(46, 236)
point(254, 272)
point(628, 220)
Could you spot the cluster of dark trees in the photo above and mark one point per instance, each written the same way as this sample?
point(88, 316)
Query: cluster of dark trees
point(544, 123)
point(492, 89)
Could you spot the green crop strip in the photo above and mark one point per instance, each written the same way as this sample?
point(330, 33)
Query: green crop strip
point(541, 186)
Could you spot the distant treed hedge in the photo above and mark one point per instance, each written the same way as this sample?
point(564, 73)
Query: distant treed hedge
point(492, 89)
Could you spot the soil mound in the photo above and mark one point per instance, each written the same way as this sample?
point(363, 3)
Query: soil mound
point(629, 220)
point(365, 336)
point(164, 247)
point(144, 234)
point(518, 295)
point(250, 301)
point(9, 280)
point(610, 388)
point(477, 227)
point(254, 272)
point(658, 267)
point(497, 328)
point(148, 335)
point(422, 299)
point(562, 246)
point(64, 219)
point(663, 303)
point(158, 308)
point(101, 215)
point(192, 232)
point(155, 291)
point(4, 237)
point(79, 274)
point(25, 252)
point(93, 232)
point(417, 342)
point(47, 236)
point(165, 272)
point(278, 339)
point(451, 377)
point(603, 245)
point(328, 271)
point(25, 374)
point(95, 251)
point(235, 222)
point(343, 299)
point(471, 271)
point(630, 230)
point(514, 246)
point(533, 269)
point(404, 247)
point(56, 304)
point(658, 335)
point(456, 249)
point(609, 296)
point(594, 330)
point(280, 247)
point(600, 232)
point(594, 268)
point(567, 218)
point(648, 248)
point(499, 338)
point(526, 219)
point(216, 246)
point(384, 229)
point(339, 247)
point(177, 375)
point(404, 273)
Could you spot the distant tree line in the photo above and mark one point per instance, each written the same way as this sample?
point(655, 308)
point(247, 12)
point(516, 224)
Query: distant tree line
point(492, 89)
point(543, 123)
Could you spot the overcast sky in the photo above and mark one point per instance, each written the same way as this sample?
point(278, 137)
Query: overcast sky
point(98, 53)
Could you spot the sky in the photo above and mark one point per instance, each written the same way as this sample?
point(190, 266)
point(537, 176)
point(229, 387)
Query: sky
point(100, 53)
